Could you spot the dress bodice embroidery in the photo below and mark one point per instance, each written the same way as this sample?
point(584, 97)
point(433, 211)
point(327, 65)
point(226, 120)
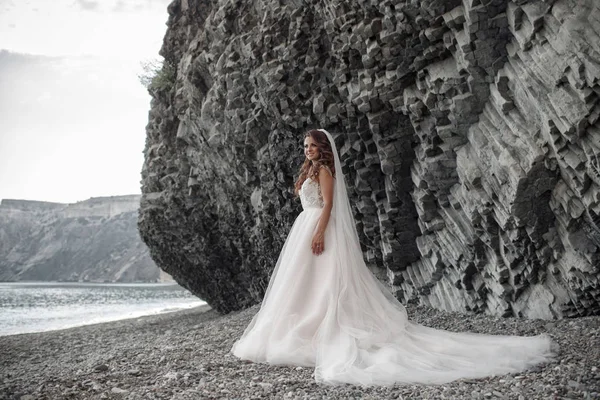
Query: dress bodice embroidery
point(310, 194)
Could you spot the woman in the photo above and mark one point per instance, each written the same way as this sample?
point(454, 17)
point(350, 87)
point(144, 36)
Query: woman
point(323, 308)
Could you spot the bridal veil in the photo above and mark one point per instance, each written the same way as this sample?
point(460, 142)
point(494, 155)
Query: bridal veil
point(359, 331)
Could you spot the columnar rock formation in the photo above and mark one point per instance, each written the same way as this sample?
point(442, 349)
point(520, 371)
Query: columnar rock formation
point(95, 240)
point(468, 131)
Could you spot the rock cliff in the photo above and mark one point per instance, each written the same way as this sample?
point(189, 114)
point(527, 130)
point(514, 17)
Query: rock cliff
point(92, 241)
point(468, 131)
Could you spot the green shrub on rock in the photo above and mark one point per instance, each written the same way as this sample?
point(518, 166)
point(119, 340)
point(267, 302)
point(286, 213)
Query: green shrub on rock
point(158, 75)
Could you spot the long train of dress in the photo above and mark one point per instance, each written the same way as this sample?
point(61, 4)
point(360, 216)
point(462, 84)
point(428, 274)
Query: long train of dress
point(329, 312)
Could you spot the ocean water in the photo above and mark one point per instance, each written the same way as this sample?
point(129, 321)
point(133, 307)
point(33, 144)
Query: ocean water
point(37, 307)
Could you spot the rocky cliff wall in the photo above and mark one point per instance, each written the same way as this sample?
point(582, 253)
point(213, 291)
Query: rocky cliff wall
point(92, 241)
point(468, 131)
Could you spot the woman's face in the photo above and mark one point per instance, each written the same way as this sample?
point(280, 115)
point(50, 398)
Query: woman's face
point(311, 151)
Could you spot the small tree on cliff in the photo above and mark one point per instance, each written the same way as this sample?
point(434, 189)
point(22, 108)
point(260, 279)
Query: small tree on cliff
point(157, 75)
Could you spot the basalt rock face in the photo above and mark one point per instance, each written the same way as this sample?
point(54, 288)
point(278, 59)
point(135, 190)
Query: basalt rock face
point(468, 131)
point(95, 240)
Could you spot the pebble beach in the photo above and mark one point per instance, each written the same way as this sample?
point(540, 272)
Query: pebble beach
point(185, 355)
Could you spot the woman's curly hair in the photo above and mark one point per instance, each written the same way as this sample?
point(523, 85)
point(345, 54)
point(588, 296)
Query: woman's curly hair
point(325, 159)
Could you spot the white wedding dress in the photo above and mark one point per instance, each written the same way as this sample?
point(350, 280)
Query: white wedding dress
point(329, 312)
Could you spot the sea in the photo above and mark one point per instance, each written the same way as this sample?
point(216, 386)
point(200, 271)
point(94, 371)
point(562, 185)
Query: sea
point(27, 307)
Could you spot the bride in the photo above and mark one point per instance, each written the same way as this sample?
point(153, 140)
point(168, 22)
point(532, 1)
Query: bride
point(323, 308)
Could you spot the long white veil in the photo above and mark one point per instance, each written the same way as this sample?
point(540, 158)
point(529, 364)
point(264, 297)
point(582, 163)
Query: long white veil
point(348, 243)
point(367, 338)
point(366, 310)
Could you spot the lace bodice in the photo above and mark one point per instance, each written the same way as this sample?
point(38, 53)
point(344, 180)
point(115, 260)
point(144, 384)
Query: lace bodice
point(310, 194)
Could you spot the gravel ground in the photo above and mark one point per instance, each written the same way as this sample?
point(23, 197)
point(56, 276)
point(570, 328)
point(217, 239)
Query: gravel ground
point(185, 355)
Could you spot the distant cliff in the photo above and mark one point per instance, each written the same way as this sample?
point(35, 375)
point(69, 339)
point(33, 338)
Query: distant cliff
point(94, 240)
point(469, 135)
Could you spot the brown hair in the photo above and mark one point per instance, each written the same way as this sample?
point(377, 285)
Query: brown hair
point(325, 159)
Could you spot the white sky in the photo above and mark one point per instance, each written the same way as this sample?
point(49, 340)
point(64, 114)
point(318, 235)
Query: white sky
point(72, 110)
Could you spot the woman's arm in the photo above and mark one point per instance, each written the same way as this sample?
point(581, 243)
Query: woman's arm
point(326, 182)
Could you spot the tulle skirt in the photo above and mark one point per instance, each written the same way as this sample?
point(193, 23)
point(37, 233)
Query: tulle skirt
point(329, 312)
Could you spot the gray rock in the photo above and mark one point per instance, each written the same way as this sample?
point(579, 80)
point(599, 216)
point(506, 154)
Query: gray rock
point(172, 375)
point(101, 368)
point(134, 372)
point(468, 132)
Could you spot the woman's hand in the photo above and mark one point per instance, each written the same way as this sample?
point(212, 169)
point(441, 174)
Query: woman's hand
point(318, 243)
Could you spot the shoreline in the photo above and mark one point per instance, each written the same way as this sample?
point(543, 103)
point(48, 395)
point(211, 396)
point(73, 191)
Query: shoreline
point(184, 354)
point(167, 310)
point(35, 307)
point(91, 282)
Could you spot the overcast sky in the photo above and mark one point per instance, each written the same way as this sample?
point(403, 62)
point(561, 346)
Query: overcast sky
point(72, 110)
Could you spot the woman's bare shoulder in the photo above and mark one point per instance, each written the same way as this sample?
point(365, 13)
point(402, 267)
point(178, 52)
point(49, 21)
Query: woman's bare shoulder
point(326, 168)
